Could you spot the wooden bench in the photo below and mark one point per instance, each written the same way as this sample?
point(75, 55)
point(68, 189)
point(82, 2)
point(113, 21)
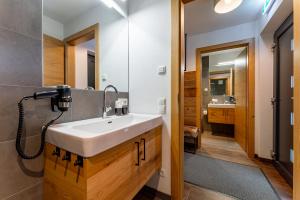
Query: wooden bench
point(191, 135)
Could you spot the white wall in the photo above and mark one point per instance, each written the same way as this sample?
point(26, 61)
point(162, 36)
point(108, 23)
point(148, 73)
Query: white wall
point(113, 43)
point(265, 28)
point(53, 28)
point(230, 34)
point(81, 68)
point(150, 47)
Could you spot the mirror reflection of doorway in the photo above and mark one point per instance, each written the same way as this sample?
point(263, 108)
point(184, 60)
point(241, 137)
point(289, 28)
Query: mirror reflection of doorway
point(91, 69)
point(79, 62)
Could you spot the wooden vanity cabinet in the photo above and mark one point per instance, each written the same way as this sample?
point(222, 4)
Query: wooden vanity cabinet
point(221, 115)
point(118, 173)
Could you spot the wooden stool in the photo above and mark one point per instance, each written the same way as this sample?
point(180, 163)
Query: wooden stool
point(191, 133)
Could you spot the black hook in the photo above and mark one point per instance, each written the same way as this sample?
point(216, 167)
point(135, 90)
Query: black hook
point(67, 156)
point(79, 161)
point(56, 152)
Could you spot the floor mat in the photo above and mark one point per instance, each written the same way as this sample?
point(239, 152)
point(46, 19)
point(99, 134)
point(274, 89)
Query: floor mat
point(240, 181)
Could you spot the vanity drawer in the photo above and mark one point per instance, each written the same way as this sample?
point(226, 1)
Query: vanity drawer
point(221, 115)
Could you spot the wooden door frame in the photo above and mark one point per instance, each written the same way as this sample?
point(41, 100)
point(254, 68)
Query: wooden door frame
point(177, 98)
point(250, 45)
point(87, 34)
point(296, 171)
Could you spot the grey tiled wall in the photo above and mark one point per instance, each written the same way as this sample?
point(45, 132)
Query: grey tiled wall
point(21, 75)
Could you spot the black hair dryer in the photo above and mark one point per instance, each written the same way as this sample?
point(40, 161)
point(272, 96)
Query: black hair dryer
point(60, 98)
point(60, 101)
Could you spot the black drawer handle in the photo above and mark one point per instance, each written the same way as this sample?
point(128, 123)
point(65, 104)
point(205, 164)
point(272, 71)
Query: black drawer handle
point(144, 141)
point(138, 153)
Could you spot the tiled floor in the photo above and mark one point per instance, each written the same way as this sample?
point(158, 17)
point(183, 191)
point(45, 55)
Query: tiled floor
point(193, 192)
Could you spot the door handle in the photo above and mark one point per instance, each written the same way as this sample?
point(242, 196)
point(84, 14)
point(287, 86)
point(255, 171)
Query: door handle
point(138, 154)
point(144, 141)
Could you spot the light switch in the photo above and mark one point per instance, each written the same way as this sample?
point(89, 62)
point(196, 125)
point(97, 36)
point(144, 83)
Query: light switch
point(162, 69)
point(162, 109)
point(104, 77)
point(162, 101)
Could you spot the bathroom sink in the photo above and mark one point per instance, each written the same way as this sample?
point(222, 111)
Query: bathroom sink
point(90, 137)
point(212, 105)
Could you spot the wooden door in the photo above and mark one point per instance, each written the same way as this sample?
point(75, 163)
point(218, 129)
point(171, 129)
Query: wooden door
point(54, 62)
point(240, 92)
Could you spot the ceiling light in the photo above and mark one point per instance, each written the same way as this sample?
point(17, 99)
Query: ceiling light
point(225, 63)
point(225, 6)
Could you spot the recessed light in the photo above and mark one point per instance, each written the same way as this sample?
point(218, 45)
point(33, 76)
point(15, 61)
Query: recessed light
point(225, 6)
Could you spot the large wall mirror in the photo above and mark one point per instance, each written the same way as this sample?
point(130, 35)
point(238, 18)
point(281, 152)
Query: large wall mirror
point(223, 71)
point(85, 44)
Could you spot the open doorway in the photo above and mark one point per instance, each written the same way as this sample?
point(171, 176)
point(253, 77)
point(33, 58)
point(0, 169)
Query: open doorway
point(219, 105)
point(224, 104)
point(81, 59)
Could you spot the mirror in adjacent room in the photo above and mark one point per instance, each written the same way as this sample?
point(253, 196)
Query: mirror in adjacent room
point(222, 71)
point(85, 44)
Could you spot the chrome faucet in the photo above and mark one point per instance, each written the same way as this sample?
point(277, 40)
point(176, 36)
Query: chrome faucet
point(106, 109)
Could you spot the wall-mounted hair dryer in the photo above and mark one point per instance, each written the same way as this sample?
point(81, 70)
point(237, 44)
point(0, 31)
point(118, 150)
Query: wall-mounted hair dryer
point(60, 101)
point(60, 98)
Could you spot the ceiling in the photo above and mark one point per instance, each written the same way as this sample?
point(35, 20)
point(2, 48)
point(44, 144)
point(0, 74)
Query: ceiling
point(65, 10)
point(201, 18)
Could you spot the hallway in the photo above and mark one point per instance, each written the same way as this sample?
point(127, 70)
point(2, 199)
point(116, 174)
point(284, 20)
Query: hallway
point(226, 149)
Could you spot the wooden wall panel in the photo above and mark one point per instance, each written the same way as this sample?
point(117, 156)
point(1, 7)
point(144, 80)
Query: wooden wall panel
point(240, 86)
point(296, 184)
point(54, 63)
point(190, 98)
point(70, 69)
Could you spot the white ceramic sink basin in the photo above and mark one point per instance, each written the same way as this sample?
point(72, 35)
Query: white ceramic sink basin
point(212, 105)
point(90, 137)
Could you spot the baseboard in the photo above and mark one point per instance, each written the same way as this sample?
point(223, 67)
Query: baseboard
point(151, 193)
point(266, 160)
point(278, 167)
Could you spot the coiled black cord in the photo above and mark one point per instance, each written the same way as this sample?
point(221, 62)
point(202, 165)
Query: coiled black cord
point(20, 132)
